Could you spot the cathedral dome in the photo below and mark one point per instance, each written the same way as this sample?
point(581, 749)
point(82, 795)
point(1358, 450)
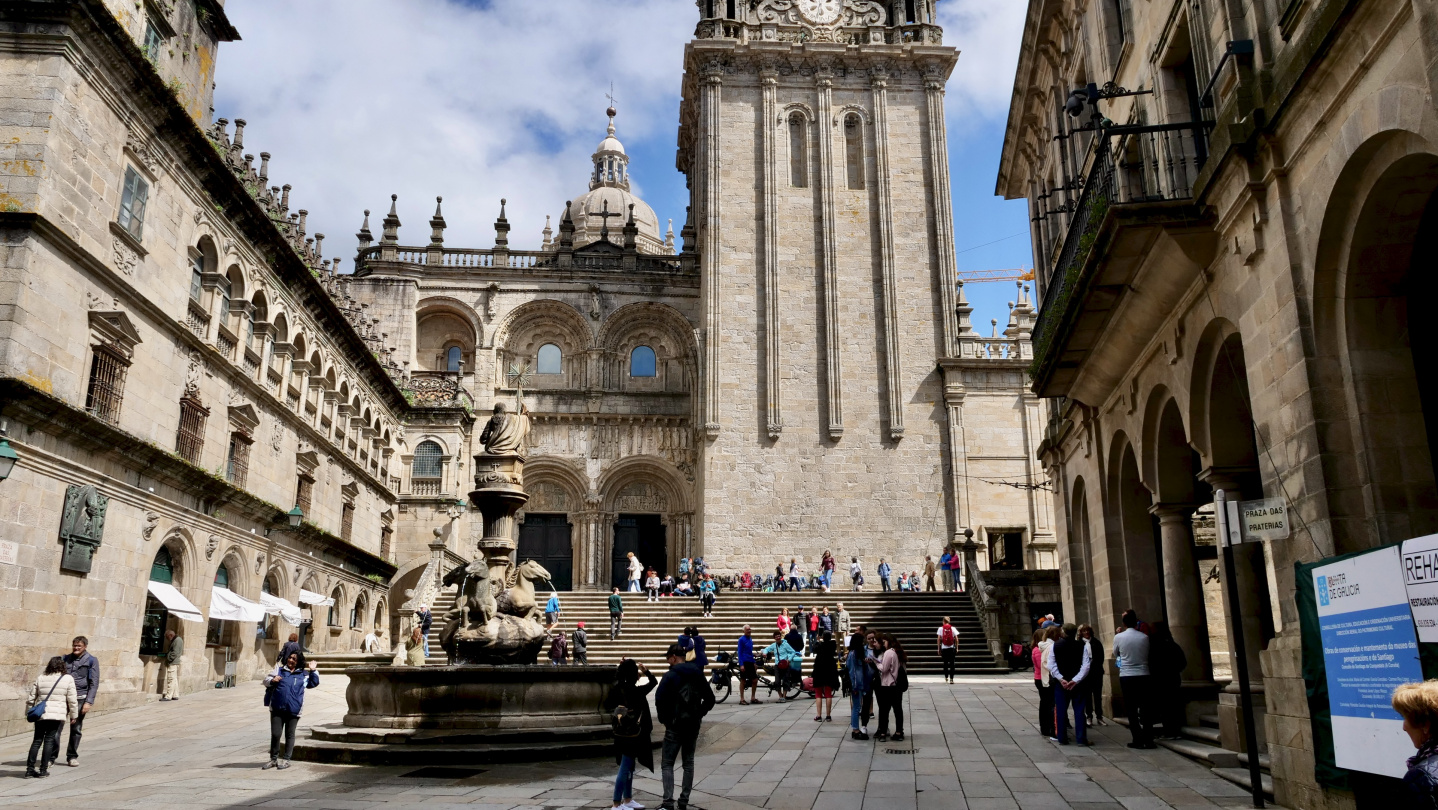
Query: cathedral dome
point(609, 193)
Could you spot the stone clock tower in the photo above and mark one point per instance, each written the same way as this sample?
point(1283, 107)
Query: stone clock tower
point(812, 133)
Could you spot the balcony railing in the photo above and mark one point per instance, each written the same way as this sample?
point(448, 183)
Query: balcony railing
point(484, 259)
point(424, 487)
point(1152, 164)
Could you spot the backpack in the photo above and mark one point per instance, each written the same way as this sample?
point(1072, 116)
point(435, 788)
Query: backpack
point(949, 637)
point(625, 722)
point(902, 681)
point(691, 705)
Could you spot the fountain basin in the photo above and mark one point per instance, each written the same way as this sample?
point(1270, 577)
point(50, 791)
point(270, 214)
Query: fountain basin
point(478, 697)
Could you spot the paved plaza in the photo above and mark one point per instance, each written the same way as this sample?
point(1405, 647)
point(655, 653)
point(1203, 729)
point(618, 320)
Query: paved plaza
point(973, 746)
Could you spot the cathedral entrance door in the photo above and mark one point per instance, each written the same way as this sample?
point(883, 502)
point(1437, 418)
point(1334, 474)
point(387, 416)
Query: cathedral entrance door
point(643, 535)
point(546, 540)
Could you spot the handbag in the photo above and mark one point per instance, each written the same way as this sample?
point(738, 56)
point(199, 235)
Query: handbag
point(37, 712)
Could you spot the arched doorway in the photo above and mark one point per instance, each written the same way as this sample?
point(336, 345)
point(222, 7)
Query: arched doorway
point(547, 539)
point(646, 537)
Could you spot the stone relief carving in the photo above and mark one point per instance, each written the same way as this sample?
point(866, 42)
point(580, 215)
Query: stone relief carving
point(547, 497)
point(82, 526)
point(144, 152)
point(210, 546)
point(641, 496)
point(125, 257)
point(259, 563)
point(192, 374)
point(491, 300)
point(152, 519)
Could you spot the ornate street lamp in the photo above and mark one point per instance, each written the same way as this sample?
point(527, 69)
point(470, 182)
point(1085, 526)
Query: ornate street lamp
point(8, 456)
point(295, 516)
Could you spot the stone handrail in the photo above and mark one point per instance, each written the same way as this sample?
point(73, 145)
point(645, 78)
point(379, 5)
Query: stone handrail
point(465, 258)
point(982, 595)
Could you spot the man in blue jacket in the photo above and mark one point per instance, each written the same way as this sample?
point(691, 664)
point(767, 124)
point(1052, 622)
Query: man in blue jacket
point(682, 700)
point(85, 669)
point(884, 572)
point(285, 695)
point(748, 667)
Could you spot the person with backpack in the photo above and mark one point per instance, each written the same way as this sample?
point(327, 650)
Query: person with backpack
point(551, 612)
point(581, 645)
point(684, 697)
point(53, 701)
point(628, 705)
point(893, 683)
point(285, 695)
point(616, 616)
point(856, 574)
point(826, 677)
point(948, 648)
point(691, 642)
point(787, 662)
point(859, 685)
point(558, 649)
point(885, 571)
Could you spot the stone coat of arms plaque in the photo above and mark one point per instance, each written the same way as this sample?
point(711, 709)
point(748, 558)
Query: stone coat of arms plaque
point(82, 526)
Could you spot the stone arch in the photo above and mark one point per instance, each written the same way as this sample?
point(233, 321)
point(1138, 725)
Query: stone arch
point(1375, 263)
point(442, 323)
point(661, 328)
point(183, 556)
point(538, 323)
point(567, 488)
point(242, 582)
point(647, 486)
point(282, 327)
point(209, 254)
point(1080, 551)
point(1205, 354)
point(644, 469)
point(360, 612)
point(340, 616)
point(1130, 540)
point(380, 620)
point(282, 586)
point(1170, 464)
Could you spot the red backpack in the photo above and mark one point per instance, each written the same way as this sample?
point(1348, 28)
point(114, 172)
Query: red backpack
point(948, 636)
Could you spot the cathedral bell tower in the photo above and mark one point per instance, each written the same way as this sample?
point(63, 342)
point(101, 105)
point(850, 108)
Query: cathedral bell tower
point(812, 133)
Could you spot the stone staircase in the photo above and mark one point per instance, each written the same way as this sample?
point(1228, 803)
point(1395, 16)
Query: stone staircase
point(1203, 743)
point(649, 628)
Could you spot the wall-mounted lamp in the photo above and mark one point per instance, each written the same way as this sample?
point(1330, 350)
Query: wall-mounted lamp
point(8, 456)
point(295, 516)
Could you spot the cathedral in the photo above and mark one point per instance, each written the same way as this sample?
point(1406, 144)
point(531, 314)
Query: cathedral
point(207, 428)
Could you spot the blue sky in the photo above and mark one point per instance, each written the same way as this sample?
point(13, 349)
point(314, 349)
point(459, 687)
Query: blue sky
point(477, 100)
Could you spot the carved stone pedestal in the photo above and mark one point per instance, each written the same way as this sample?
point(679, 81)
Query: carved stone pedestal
point(498, 494)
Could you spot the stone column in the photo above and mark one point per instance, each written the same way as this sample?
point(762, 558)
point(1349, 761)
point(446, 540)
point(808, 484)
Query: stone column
point(769, 131)
point(893, 364)
point(710, 248)
point(1253, 590)
point(829, 233)
point(1183, 592)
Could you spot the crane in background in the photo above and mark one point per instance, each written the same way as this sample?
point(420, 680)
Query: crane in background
point(980, 276)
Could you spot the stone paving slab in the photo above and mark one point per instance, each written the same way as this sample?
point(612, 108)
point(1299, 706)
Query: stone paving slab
point(973, 745)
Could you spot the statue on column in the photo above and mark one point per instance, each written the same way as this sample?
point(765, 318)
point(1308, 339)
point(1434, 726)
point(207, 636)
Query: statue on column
point(506, 433)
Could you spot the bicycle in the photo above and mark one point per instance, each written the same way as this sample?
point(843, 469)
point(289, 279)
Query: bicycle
point(723, 679)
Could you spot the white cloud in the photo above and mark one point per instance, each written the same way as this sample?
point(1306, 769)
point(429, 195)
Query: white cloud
point(358, 99)
point(988, 34)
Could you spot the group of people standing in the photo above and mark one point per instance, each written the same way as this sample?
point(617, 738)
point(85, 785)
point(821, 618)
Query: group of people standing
point(64, 692)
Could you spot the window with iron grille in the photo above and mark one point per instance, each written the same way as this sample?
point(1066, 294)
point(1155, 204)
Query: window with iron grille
point(191, 440)
point(304, 493)
point(347, 522)
point(428, 461)
point(132, 203)
point(107, 385)
point(237, 466)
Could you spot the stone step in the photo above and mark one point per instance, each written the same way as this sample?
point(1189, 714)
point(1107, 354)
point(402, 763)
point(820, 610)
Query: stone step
point(1240, 777)
point(1210, 720)
point(340, 753)
point(1203, 734)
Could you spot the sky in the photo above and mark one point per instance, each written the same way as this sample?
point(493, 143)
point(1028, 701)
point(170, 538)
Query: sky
point(482, 100)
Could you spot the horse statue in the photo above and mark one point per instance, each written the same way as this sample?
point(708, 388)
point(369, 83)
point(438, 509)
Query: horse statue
point(518, 598)
point(475, 605)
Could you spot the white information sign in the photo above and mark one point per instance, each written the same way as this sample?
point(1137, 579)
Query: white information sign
point(1420, 577)
point(1369, 649)
point(9, 552)
point(1265, 520)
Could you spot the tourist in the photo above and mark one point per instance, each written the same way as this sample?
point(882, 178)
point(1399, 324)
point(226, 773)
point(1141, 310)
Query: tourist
point(1047, 621)
point(291, 646)
point(779, 577)
point(1041, 647)
point(893, 682)
point(856, 574)
point(1069, 664)
point(826, 621)
point(174, 654)
point(826, 676)
point(956, 573)
point(426, 620)
point(1417, 703)
point(842, 625)
point(903, 582)
point(285, 695)
point(929, 570)
point(370, 644)
point(811, 620)
point(828, 567)
point(581, 644)
point(84, 669)
point(1166, 663)
point(795, 637)
point(616, 616)
point(414, 654)
point(748, 669)
point(558, 649)
point(666, 586)
point(1131, 649)
point(551, 612)
point(651, 587)
point(794, 574)
point(700, 567)
point(884, 571)
point(691, 640)
point(944, 569)
point(948, 648)
point(683, 588)
point(635, 568)
point(787, 662)
point(858, 665)
point(56, 689)
point(633, 726)
point(707, 592)
point(914, 582)
point(782, 623)
point(871, 642)
point(1093, 698)
point(684, 697)
point(683, 566)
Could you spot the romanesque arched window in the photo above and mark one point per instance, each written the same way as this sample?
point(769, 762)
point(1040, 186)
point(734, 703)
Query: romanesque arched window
point(333, 620)
point(798, 153)
point(428, 461)
point(551, 360)
point(642, 362)
point(854, 150)
point(453, 358)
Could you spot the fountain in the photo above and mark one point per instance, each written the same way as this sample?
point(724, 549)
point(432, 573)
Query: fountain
point(492, 703)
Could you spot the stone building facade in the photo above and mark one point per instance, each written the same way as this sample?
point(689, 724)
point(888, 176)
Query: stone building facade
point(1230, 250)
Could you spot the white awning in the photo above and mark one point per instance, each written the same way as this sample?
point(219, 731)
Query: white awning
point(176, 602)
point(312, 598)
point(230, 606)
point(276, 606)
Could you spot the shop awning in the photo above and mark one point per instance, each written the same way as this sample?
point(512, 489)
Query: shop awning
point(276, 606)
point(312, 598)
point(175, 602)
point(227, 605)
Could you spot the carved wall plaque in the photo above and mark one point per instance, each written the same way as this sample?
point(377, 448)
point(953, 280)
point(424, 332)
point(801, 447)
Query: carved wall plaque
point(82, 526)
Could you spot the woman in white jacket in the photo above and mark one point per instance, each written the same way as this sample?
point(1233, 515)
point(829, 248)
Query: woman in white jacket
point(56, 689)
point(635, 569)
